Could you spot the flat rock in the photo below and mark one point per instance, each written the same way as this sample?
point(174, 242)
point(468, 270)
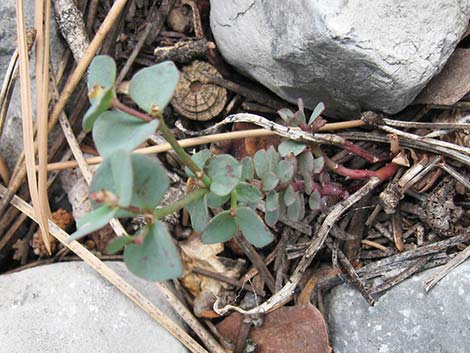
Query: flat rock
point(68, 307)
point(405, 319)
point(351, 55)
point(11, 141)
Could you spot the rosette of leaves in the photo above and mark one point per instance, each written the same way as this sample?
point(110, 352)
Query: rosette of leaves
point(130, 184)
point(230, 180)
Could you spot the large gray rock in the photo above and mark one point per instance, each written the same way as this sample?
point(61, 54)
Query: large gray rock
point(352, 55)
point(11, 141)
point(67, 307)
point(405, 319)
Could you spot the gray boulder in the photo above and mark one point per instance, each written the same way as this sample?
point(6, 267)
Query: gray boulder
point(352, 55)
point(405, 319)
point(11, 141)
point(68, 307)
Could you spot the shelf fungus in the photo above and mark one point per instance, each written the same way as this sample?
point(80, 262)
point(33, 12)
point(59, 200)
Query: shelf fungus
point(196, 98)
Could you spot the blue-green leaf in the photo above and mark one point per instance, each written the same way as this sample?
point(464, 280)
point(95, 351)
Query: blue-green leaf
point(199, 213)
point(220, 229)
point(123, 176)
point(305, 163)
point(117, 244)
point(291, 146)
point(157, 259)
point(270, 181)
point(247, 193)
point(285, 114)
point(271, 217)
point(150, 182)
point(214, 200)
point(285, 171)
point(253, 227)
point(101, 103)
point(101, 72)
point(290, 195)
point(225, 173)
point(316, 113)
point(248, 169)
point(261, 163)
point(200, 158)
point(92, 221)
point(272, 201)
point(314, 201)
point(318, 165)
point(115, 130)
point(152, 88)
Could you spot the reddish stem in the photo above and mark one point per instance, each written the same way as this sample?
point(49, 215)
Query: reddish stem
point(327, 189)
point(131, 111)
point(358, 151)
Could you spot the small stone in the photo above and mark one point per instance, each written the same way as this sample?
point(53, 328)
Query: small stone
point(299, 328)
point(351, 55)
point(68, 307)
point(405, 319)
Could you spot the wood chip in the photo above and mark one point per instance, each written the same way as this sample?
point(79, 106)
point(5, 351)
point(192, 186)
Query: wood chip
point(452, 84)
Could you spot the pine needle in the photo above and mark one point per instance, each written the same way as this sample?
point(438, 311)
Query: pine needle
point(27, 113)
point(42, 24)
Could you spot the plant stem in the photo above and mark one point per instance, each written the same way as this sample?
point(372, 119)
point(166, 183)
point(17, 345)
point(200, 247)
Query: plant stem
point(131, 111)
point(185, 158)
point(233, 200)
point(178, 205)
point(169, 137)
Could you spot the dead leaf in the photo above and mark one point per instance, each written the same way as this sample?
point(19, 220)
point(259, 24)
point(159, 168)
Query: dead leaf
point(204, 256)
point(401, 159)
point(299, 328)
point(452, 84)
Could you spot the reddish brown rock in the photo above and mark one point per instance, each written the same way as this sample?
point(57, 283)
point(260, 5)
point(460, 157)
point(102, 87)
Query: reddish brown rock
point(295, 329)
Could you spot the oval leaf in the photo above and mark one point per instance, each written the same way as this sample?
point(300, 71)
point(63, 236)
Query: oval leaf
point(253, 227)
point(306, 163)
point(157, 259)
point(316, 112)
point(99, 106)
point(290, 195)
point(200, 158)
point(248, 169)
point(101, 72)
point(199, 213)
point(261, 163)
point(123, 176)
point(272, 201)
point(115, 130)
point(220, 229)
point(285, 171)
point(271, 217)
point(248, 193)
point(225, 172)
point(214, 200)
point(152, 88)
point(92, 221)
point(150, 182)
point(117, 244)
point(270, 181)
point(291, 146)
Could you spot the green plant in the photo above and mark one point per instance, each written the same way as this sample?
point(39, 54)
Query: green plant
point(128, 184)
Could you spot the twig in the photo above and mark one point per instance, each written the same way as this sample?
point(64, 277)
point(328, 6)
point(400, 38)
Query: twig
point(415, 267)
point(435, 277)
point(411, 143)
point(201, 140)
point(154, 24)
point(222, 278)
point(113, 278)
point(212, 345)
point(257, 261)
point(459, 177)
point(285, 294)
point(420, 125)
